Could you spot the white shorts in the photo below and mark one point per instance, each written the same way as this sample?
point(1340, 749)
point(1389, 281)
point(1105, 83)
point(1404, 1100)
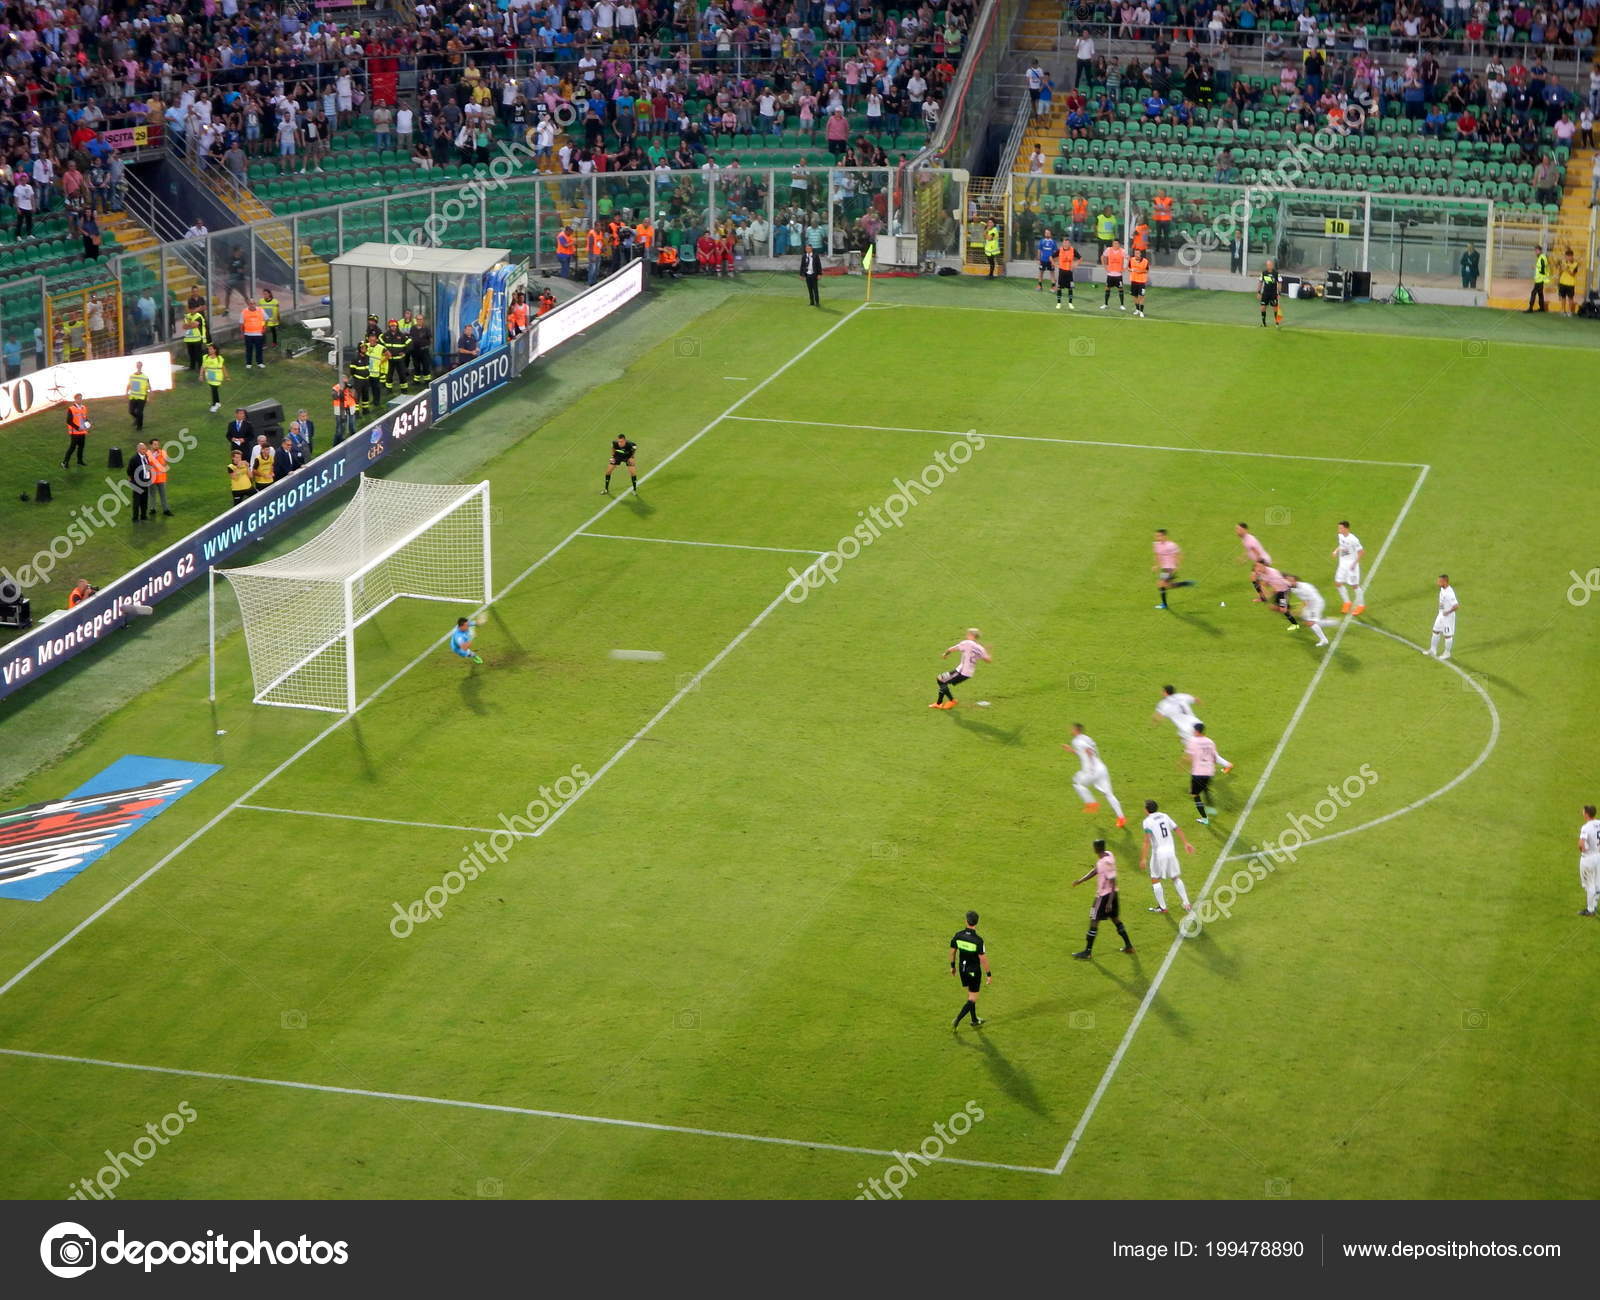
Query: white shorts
point(1589, 871)
point(1094, 776)
point(1164, 866)
point(1312, 609)
point(1349, 574)
point(1445, 625)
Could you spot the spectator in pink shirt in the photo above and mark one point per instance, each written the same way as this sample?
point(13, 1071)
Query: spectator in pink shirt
point(837, 132)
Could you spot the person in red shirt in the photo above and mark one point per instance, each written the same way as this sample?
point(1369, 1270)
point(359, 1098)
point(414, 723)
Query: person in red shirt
point(708, 251)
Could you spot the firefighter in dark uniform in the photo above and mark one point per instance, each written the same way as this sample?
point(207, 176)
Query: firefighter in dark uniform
point(361, 376)
point(398, 348)
point(421, 352)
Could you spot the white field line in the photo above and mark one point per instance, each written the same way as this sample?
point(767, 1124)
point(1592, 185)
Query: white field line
point(604, 1120)
point(1233, 836)
point(1080, 442)
point(382, 821)
point(340, 721)
point(1479, 761)
point(721, 546)
point(691, 685)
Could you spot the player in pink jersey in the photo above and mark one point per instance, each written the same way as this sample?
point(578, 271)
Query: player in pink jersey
point(1203, 761)
point(1105, 906)
point(1168, 558)
point(1254, 553)
point(1274, 587)
point(971, 650)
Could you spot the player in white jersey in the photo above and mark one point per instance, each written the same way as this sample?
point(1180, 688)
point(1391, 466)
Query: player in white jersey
point(1178, 707)
point(1589, 860)
point(1348, 552)
point(1445, 624)
point(1092, 773)
point(971, 650)
point(1311, 607)
point(1159, 856)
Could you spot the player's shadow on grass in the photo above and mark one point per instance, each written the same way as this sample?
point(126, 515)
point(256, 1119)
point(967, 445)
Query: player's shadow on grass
point(638, 505)
point(471, 692)
point(1136, 983)
point(987, 729)
point(1195, 621)
point(1011, 1080)
point(1213, 954)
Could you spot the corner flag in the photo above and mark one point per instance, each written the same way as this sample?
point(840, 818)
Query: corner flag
point(867, 260)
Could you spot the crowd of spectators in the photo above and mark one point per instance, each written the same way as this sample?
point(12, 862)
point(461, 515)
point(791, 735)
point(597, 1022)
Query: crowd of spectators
point(1496, 99)
point(640, 84)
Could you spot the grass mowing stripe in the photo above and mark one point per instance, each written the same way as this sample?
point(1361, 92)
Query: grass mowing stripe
point(499, 1108)
point(333, 726)
point(1233, 838)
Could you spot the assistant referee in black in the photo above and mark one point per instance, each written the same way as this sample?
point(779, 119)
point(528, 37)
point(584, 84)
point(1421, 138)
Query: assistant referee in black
point(969, 961)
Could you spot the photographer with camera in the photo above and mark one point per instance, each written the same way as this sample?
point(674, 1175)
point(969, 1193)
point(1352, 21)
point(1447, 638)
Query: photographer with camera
point(81, 591)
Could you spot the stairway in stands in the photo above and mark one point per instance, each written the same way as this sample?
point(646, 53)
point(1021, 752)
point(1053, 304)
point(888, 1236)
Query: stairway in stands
point(316, 280)
point(1569, 229)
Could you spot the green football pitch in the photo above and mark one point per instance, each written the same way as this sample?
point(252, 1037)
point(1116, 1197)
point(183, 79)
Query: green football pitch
point(713, 961)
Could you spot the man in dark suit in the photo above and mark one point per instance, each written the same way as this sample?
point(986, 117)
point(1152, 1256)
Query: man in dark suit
point(811, 269)
point(285, 460)
point(139, 479)
point(241, 433)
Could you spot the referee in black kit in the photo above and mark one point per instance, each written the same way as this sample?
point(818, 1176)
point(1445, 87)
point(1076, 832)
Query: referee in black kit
point(971, 963)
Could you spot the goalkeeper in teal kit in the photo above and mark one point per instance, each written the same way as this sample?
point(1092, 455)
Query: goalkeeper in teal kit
point(461, 639)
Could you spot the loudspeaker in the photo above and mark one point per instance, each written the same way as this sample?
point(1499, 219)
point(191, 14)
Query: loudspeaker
point(1361, 284)
point(16, 613)
point(41, 490)
point(114, 458)
point(268, 419)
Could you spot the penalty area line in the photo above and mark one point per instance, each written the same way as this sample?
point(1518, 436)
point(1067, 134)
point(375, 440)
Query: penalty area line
point(1081, 442)
point(381, 821)
point(720, 546)
point(532, 1112)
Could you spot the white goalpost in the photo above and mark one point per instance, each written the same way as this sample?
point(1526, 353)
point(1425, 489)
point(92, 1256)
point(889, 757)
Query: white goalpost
point(425, 541)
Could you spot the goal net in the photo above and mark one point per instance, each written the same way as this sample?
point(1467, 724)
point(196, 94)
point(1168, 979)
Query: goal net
point(421, 540)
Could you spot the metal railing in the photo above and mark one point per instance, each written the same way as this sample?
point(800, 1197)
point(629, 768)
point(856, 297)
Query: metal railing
point(145, 206)
point(1256, 52)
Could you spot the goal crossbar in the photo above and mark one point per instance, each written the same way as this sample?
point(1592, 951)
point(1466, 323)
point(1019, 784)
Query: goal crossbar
point(385, 537)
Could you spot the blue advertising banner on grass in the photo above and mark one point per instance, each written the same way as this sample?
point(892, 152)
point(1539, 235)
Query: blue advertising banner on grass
point(45, 844)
